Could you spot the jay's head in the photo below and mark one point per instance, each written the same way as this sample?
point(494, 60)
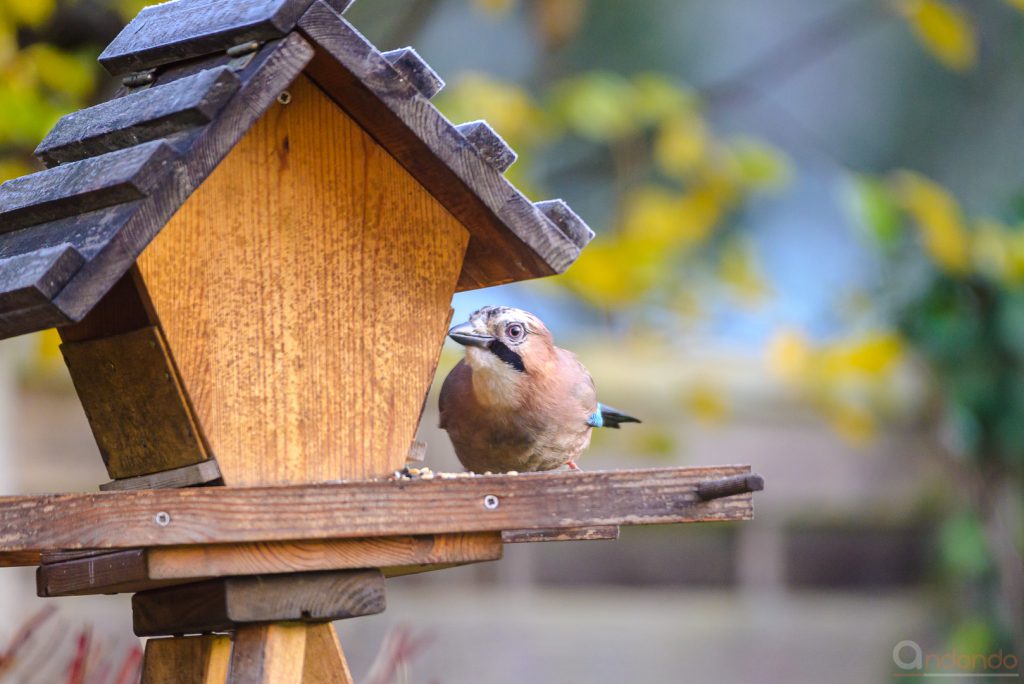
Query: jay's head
point(503, 339)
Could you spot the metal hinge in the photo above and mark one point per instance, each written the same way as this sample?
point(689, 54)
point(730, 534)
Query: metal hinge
point(139, 79)
point(242, 54)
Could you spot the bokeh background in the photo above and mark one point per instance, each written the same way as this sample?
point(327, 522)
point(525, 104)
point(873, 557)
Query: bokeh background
point(809, 258)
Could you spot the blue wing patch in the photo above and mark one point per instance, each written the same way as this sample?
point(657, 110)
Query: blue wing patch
point(596, 419)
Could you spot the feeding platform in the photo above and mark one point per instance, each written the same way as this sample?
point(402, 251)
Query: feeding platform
point(250, 254)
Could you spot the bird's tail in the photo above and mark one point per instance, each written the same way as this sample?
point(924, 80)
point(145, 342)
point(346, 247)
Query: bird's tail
point(612, 418)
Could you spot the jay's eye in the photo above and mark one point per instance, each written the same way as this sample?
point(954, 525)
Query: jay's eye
point(515, 331)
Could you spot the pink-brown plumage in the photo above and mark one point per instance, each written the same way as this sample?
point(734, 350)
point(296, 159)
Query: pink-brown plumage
point(515, 402)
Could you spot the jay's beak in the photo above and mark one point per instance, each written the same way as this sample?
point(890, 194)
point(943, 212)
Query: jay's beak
point(466, 335)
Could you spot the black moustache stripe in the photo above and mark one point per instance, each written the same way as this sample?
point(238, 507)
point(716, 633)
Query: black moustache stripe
point(499, 349)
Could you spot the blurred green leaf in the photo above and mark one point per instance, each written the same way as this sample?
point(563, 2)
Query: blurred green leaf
point(760, 165)
point(876, 211)
point(962, 546)
point(597, 105)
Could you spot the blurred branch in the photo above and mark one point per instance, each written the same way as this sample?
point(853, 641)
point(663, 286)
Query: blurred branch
point(788, 58)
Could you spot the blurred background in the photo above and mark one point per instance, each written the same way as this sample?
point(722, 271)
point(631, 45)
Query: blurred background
point(809, 258)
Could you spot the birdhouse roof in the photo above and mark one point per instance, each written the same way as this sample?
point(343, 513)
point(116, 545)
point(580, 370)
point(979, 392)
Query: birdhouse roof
point(197, 74)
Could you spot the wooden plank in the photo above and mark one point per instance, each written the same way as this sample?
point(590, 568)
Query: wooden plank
point(229, 602)
point(206, 515)
point(19, 559)
point(560, 534)
point(125, 308)
point(729, 486)
point(415, 70)
point(187, 660)
point(33, 279)
point(142, 569)
point(134, 402)
point(489, 144)
point(185, 29)
point(200, 473)
point(341, 266)
point(325, 661)
point(510, 238)
point(270, 71)
point(268, 654)
point(138, 117)
point(82, 186)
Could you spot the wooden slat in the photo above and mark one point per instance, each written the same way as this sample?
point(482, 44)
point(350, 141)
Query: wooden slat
point(82, 186)
point(268, 654)
point(141, 569)
point(415, 69)
point(489, 144)
point(325, 661)
point(187, 660)
point(181, 30)
point(139, 117)
point(33, 279)
point(342, 267)
point(510, 238)
point(134, 402)
point(208, 515)
point(560, 534)
point(200, 473)
point(226, 603)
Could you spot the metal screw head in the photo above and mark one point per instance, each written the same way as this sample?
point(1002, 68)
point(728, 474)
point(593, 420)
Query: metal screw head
point(285, 97)
point(491, 502)
point(163, 518)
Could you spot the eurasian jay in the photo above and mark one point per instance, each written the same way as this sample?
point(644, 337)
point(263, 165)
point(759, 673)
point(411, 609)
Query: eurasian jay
point(516, 401)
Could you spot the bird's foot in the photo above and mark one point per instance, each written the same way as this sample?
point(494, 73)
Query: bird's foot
point(572, 465)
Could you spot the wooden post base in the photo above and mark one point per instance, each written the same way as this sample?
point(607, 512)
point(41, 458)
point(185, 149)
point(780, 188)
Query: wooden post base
point(279, 652)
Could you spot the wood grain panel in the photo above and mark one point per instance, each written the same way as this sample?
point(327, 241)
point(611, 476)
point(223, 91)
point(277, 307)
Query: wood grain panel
point(325, 661)
point(268, 654)
point(318, 276)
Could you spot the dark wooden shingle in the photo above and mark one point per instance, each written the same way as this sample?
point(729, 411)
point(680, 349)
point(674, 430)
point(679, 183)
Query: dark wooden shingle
point(139, 117)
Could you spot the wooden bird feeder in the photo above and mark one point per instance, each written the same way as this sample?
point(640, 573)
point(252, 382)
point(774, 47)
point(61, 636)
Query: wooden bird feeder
point(250, 253)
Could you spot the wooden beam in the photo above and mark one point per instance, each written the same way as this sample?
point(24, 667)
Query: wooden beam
point(136, 406)
point(192, 475)
point(560, 534)
point(229, 602)
point(218, 515)
point(33, 279)
point(187, 660)
point(141, 569)
point(325, 661)
point(268, 654)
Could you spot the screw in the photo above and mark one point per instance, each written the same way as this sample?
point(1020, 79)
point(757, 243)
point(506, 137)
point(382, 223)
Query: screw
point(285, 97)
point(163, 518)
point(491, 502)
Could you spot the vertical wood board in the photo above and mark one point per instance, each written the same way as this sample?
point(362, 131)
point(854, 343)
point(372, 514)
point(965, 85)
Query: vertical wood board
point(302, 290)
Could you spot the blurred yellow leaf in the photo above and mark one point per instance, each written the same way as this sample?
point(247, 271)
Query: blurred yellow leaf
point(944, 30)
point(789, 355)
point(657, 97)
point(872, 355)
point(680, 144)
point(598, 105)
point(938, 217)
point(706, 402)
point(13, 168)
point(853, 423)
point(62, 72)
point(29, 12)
point(737, 268)
point(760, 165)
point(1019, 4)
point(494, 7)
point(997, 251)
point(557, 21)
